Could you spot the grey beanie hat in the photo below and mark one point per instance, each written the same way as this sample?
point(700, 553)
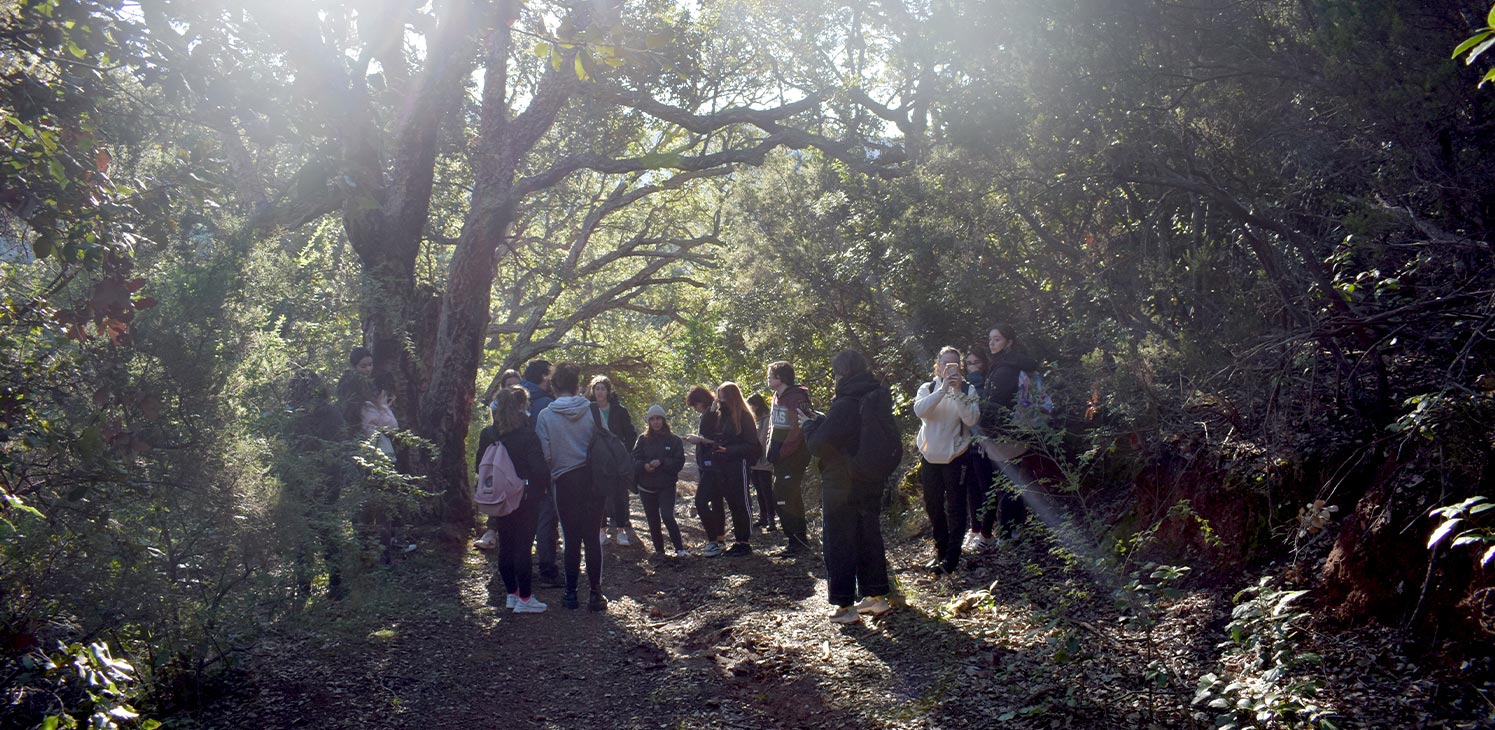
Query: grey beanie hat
point(654, 410)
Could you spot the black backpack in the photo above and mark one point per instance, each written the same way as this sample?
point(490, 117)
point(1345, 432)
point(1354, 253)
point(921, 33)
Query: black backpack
point(880, 448)
point(610, 463)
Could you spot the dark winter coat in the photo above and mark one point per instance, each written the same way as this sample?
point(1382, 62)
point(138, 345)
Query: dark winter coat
point(738, 442)
point(524, 450)
point(834, 437)
point(999, 389)
point(619, 421)
point(538, 399)
point(670, 451)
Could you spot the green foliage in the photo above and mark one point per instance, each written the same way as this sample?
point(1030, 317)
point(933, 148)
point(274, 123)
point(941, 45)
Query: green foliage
point(1477, 44)
point(1461, 521)
point(79, 686)
point(1262, 684)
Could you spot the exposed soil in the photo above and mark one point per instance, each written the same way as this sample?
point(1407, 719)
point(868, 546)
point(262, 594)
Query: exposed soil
point(744, 643)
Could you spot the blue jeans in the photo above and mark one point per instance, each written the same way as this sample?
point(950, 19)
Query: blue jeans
point(856, 562)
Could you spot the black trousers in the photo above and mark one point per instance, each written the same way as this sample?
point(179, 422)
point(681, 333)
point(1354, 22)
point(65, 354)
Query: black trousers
point(762, 480)
point(659, 506)
point(788, 492)
point(516, 531)
point(978, 477)
point(724, 483)
point(945, 503)
point(580, 513)
point(856, 562)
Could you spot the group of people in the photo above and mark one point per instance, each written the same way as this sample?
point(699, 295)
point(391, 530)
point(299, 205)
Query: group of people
point(547, 423)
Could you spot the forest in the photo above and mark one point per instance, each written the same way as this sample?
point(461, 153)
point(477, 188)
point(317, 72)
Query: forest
point(1245, 240)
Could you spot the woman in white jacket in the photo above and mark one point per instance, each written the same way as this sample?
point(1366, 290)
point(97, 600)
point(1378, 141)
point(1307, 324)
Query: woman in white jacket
point(947, 408)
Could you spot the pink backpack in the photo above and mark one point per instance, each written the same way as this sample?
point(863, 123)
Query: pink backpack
point(499, 490)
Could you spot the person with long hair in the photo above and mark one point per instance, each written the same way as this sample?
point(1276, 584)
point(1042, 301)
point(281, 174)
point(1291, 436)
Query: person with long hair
point(761, 473)
point(565, 431)
point(998, 398)
point(856, 561)
point(355, 387)
point(515, 531)
point(736, 449)
point(979, 470)
point(708, 485)
point(658, 458)
point(947, 409)
point(616, 419)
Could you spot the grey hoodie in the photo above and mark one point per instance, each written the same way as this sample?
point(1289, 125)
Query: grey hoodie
point(565, 431)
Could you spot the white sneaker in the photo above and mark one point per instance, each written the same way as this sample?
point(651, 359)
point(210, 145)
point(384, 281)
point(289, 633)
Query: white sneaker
point(983, 544)
point(874, 605)
point(511, 600)
point(972, 539)
point(681, 552)
point(605, 537)
point(844, 615)
point(488, 541)
point(623, 539)
point(712, 549)
point(529, 605)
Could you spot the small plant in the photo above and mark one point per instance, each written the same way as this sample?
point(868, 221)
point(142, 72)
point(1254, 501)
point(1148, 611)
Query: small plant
point(1457, 516)
point(85, 686)
point(1259, 686)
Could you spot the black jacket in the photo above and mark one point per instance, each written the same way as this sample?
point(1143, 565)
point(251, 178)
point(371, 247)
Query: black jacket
point(738, 440)
point(619, 420)
point(670, 451)
point(999, 388)
point(524, 450)
point(834, 437)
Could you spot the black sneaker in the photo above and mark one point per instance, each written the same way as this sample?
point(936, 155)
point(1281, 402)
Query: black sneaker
point(739, 548)
point(569, 600)
point(596, 602)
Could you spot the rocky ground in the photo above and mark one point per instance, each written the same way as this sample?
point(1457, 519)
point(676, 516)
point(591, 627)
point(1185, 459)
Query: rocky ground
point(1025, 637)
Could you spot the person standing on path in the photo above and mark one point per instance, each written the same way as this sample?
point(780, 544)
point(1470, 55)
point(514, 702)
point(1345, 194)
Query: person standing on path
point(736, 448)
point(515, 531)
point(709, 486)
point(998, 398)
point(978, 469)
point(658, 458)
point(947, 409)
point(788, 454)
point(761, 473)
point(615, 418)
point(565, 431)
point(851, 537)
point(536, 382)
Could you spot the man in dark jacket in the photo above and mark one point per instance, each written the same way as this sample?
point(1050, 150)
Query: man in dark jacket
point(851, 537)
point(787, 453)
point(537, 382)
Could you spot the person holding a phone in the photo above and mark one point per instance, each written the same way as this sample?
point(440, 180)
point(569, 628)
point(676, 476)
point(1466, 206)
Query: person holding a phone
point(709, 501)
point(947, 407)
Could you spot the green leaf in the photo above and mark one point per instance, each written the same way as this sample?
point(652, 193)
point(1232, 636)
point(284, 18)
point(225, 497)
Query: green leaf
point(543, 50)
point(581, 69)
point(1442, 532)
point(48, 724)
point(1472, 42)
point(55, 169)
point(1490, 19)
point(1481, 48)
point(1489, 76)
point(1467, 538)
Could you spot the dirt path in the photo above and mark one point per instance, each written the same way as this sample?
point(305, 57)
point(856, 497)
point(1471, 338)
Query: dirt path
point(736, 643)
